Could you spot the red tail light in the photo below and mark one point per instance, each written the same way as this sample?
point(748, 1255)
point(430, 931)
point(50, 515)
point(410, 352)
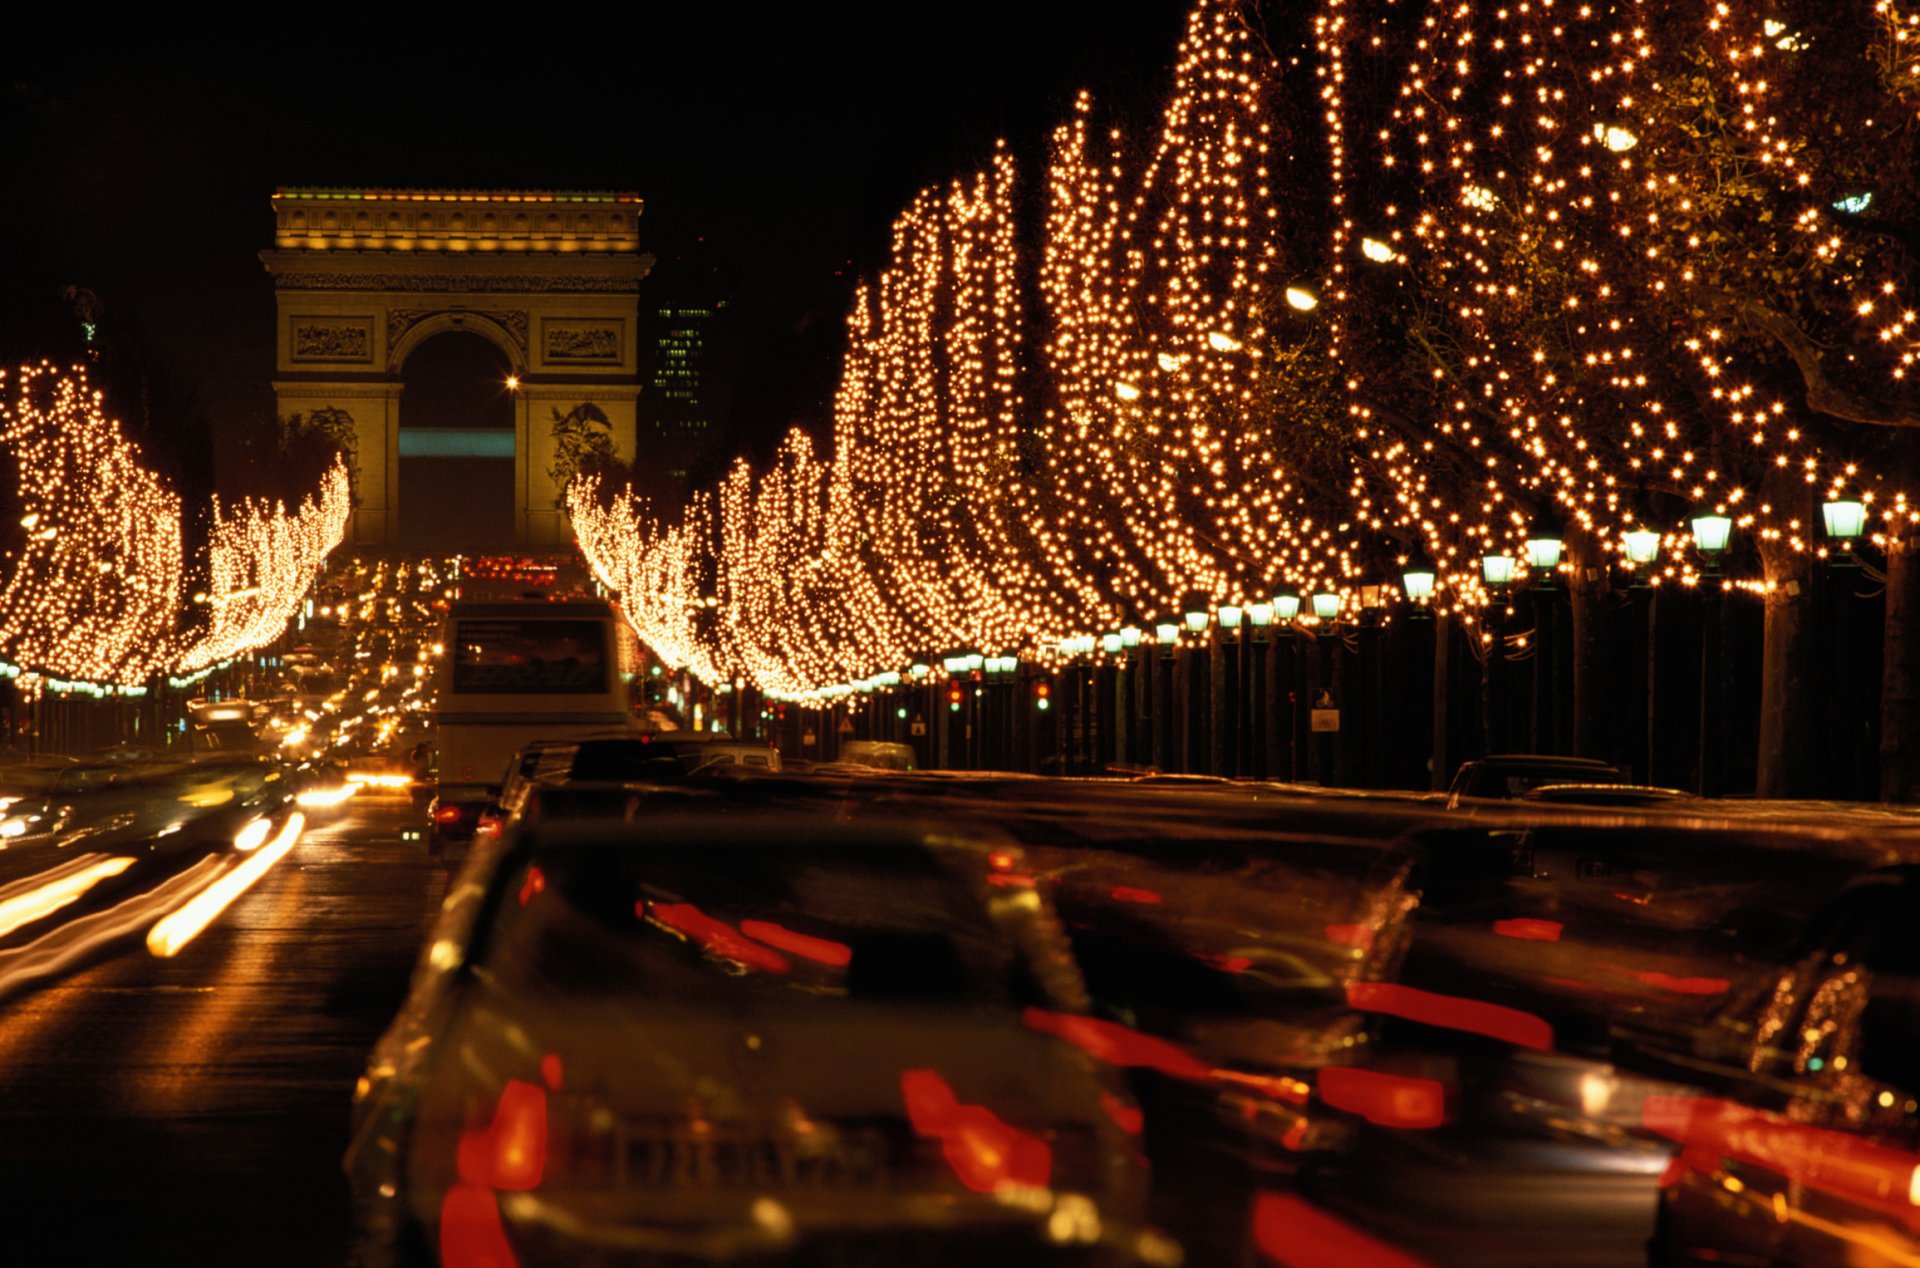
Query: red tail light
point(510, 1152)
point(986, 1154)
point(1388, 1100)
point(447, 814)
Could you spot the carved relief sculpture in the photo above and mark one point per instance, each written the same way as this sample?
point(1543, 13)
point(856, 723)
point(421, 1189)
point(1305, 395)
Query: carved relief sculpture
point(569, 344)
point(330, 342)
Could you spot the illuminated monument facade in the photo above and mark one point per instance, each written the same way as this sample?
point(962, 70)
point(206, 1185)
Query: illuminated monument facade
point(362, 278)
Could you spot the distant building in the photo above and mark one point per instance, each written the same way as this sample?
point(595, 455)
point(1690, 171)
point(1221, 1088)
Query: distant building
point(684, 402)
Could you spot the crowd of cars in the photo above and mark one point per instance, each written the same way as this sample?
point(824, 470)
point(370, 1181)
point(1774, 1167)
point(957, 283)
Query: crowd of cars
point(686, 1004)
point(686, 1007)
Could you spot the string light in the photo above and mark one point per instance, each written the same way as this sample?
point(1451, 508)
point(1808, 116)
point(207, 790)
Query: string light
point(94, 595)
point(1600, 335)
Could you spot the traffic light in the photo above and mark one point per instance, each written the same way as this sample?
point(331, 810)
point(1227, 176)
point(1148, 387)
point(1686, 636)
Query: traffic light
point(1043, 694)
point(955, 693)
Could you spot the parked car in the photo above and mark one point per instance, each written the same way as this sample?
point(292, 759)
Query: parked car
point(718, 1040)
point(881, 753)
point(1803, 1146)
point(1508, 776)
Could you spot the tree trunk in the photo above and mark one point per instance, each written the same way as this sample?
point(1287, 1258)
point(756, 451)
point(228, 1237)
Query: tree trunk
point(1789, 649)
point(1588, 586)
point(1900, 673)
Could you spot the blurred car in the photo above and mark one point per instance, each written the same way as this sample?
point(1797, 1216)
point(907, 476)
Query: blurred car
point(1605, 795)
point(1803, 1145)
point(743, 1041)
point(1508, 776)
point(735, 753)
point(884, 754)
point(454, 815)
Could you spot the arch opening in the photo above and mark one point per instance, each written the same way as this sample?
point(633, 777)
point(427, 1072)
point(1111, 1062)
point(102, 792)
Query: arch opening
point(457, 445)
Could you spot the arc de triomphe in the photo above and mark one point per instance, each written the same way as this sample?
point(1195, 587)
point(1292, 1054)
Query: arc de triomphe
point(362, 277)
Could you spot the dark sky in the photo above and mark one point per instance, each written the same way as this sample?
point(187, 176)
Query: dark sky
point(141, 156)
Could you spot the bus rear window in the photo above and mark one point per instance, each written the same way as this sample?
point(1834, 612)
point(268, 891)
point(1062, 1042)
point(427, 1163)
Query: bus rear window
point(530, 657)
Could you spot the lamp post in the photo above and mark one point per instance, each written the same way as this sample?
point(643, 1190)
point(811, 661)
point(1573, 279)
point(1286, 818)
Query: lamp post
point(1223, 688)
point(1260, 641)
point(1543, 564)
point(1712, 534)
point(1197, 616)
point(1133, 697)
point(1283, 683)
point(1166, 705)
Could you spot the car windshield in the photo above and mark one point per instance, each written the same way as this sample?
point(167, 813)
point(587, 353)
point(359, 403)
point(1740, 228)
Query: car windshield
point(744, 922)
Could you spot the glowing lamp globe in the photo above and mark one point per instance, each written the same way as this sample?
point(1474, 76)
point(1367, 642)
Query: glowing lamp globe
point(1286, 605)
point(1643, 546)
point(1417, 579)
point(1846, 519)
point(1496, 570)
point(1230, 614)
point(1166, 631)
point(1130, 636)
point(1711, 534)
point(1260, 615)
point(1110, 643)
point(1326, 605)
point(1543, 553)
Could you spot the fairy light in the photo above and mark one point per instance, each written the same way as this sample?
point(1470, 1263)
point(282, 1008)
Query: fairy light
point(1586, 332)
point(94, 595)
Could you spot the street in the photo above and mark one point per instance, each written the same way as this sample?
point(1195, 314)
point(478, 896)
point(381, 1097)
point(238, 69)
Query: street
point(194, 1109)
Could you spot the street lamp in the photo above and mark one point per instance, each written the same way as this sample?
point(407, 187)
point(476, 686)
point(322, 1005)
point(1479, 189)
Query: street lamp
point(1130, 636)
point(1166, 633)
point(1196, 611)
point(1260, 615)
point(1286, 605)
point(1846, 518)
point(1326, 604)
point(1496, 570)
point(1543, 552)
point(1230, 614)
point(1111, 644)
point(1418, 579)
point(1643, 545)
point(1711, 534)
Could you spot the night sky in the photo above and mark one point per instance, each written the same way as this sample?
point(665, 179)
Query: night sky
point(772, 146)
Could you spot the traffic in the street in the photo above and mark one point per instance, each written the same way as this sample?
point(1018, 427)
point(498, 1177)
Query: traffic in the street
point(460, 939)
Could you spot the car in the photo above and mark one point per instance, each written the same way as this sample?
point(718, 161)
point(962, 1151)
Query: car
point(884, 754)
point(1802, 1145)
point(1590, 794)
point(455, 813)
point(1508, 776)
point(732, 1040)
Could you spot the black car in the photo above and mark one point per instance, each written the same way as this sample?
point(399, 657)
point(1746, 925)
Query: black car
point(1803, 1145)
point(705, 1040)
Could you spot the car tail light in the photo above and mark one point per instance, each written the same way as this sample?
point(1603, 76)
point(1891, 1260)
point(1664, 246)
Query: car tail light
point(447, 814)
point(1387, 1100)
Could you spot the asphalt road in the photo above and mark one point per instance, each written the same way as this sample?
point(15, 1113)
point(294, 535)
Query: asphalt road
point(194, 1109)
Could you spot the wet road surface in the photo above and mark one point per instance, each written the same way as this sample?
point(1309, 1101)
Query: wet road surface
point(194, 1110)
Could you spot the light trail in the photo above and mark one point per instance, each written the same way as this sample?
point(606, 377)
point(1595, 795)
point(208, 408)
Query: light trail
point(178, 928)
point(59, 887)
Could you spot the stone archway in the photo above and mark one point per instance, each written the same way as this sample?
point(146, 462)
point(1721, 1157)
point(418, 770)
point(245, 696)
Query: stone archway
point(363, 277)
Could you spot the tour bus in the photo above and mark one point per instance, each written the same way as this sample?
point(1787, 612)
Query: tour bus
point(516, 671)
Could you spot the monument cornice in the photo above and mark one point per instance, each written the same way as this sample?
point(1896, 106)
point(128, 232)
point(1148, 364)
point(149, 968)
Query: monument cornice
point(463, 274)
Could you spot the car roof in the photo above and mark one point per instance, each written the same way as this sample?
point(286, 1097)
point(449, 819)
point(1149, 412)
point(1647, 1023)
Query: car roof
point(1550, 761)
point(751, 831)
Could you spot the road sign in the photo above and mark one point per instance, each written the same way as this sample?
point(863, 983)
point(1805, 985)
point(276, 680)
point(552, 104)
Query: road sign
point(846, 726)
point(918, 727)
